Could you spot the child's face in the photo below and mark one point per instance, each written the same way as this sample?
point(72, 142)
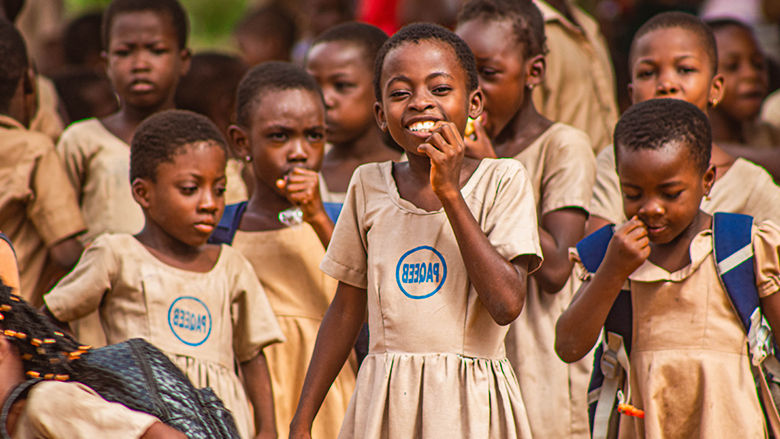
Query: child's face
point(671, 63)
point(421, 84)
point(287, 131)
point(501, 66)
point(744, 70)
point(346, 80)
point(144, 61)
point(188, 196)
point(663, 188)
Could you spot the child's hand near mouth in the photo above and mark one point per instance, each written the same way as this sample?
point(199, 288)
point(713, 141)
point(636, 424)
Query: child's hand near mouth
point(302, 188)
point(446, 149)
point(477, 141)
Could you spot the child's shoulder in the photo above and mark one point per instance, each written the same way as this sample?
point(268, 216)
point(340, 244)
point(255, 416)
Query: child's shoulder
point(561, 135)
point(16, 139)
point(86, 132)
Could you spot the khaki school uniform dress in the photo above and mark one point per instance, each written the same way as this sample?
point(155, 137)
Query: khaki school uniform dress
point(204, 322)
point(745, 188)
point(236, 190)
point(436, 365)
point(57, 410)
point(690, 368)
point(762, 134)
point(38, 208)
point(287, 265)
point(561, 168)
point(770, 111)
point(47, 118)
point(579, 82)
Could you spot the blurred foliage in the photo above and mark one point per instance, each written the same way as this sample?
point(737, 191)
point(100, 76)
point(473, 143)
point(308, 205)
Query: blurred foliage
point(211, 21)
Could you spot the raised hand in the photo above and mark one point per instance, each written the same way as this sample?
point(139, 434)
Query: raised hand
point(445, 148)
point(629, 247)
point(478, 144)
point(302, 188)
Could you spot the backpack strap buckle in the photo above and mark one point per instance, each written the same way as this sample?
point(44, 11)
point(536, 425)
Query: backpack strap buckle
point(760, 339)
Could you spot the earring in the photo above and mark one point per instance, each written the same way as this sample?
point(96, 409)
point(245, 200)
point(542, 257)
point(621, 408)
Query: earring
point(248, 158)
point(529, 86)
point(714, 102)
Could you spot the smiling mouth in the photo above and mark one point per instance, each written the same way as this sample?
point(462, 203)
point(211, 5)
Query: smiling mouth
point(422, 127)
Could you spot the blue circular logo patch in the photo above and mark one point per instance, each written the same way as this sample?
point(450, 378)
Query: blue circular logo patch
point(190, 320)
point(421, 272)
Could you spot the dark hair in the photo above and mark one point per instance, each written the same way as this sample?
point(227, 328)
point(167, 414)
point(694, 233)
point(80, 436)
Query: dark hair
point(657, 122)
point(269, 76)
point(81, 38)
point(45, 351)
point(161, 136)
point(11, 8)
point(527, 20)
point(14, 62)
point(271, 21)
point(212, 76)
point(719, 23)
point(369, 38)
point(76, 88)
point(169, 8)
point(682, 20)
point(417, 32)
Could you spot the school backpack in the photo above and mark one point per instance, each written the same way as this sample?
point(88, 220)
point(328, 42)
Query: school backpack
point(139, 376)
point(608, 395)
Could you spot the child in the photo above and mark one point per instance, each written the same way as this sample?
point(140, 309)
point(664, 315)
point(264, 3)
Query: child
point(56, 409)
point(40, 211)
point(690, 371)
point(507, 38)
point(146, 53)
point(746, 82)
point(266, 34)
point(579, 84)
point(199, 303)
point(85, 93)
point(284, 105)
point(673, 55)
point(342, 61)
point(437, 250)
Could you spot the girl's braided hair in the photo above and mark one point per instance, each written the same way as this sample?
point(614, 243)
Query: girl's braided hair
point(46, 352)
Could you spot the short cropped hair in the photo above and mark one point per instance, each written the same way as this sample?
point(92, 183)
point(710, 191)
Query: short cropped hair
point(81, 38)
point(269, 21)
point(169, 8)
point(527, 20)
point(417, 32)
point(269, 76)
point(658, 122)
point(682, 20)
point(369, 38)
point(14, 62)
point(161, 136)
point(212, 76)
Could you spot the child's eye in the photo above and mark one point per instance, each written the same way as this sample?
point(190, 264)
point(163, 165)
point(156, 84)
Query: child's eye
point(644, 74)
point(278, 136)
point(442, 89)
point(315, 136)
point(344, 86)
point(220, 191)
point(673, 195)
point(188, 190)
point(121, 52)
point(397, 94)
point(487, 72)
point(686, 70)
point(631, 197)
point(159, 50)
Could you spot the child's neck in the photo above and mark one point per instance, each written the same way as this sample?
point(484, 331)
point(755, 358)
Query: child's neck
point(342, 160)
point(413, 181)
point(521, 131)
point(675, 255)
point(175, 253)
point(262, 209)
point(124, 122)
point(725, 129)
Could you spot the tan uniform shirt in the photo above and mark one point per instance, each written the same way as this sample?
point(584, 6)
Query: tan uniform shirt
point(690, 369)
point(436, 359)
point(47, 119)
point(57, 410)
point(98, 165)
point(37, 206)
point(286, 262)
point(770, 111)
point(579, 83)
point(745, 188)
point(561, 168)
point(203, 321)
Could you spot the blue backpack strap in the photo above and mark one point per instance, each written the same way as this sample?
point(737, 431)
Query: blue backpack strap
point(333, 209)
point(228, 224)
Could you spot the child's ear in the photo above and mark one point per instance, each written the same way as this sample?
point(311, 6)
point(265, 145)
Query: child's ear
point(379, 114)
point(186, 59)
point(141, 189)
point(716, 90)
point(709, 179)
point(630, 88)
point(240, 141)
point(476, 103)
point(535, 69)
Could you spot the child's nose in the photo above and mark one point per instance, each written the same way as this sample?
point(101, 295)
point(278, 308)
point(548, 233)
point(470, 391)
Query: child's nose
point(652, 208)
point(421, 101)
point(298, 150)
point(208, 202)
point(666, 86)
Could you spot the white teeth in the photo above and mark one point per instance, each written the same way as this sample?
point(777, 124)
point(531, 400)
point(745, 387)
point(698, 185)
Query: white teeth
point(422, 126)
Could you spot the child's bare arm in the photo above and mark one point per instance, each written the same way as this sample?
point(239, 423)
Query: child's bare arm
point(66, 253)
point(335, 339)
point(560, 230)
point(579, 326)
point(257, 380)
point(303, 190)
point(501, 285)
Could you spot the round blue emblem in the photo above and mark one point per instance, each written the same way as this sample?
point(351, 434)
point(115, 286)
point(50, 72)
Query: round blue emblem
point(190, 320)
point(421, 272)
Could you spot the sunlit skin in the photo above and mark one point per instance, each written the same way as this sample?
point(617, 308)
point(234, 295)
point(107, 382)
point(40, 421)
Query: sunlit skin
point(510, 123)
point(345, 75)
point(285, 140)
point(746, 81)
point(422, 84)
point(144, 63)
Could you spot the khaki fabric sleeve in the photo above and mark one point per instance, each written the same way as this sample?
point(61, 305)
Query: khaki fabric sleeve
point(763, 202)
point(569, 174)
point(347, 256)
point(72, 410)
point(254, 322)
point(54, 209)
point(511, 225)
point(80, 291)
point(607, 201)
point(74, 158)
point(766, 248)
